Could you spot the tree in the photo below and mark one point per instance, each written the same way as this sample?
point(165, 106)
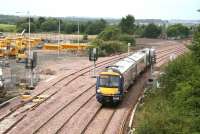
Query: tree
point(96, 27)
point(39, 22)
point(24, 24)
point(50, 25)
point(127, 24)
point(110, 33)
point(70, 28)
point(178, 30)
point(152, 31)
point(139, 30)
point(195, 47)
point(127, 39)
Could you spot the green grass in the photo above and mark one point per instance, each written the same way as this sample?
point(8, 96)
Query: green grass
point(7, 28)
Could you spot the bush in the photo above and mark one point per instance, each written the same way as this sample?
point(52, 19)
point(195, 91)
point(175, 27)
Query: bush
point(195, 47)
point(110, 33)
point(178, 31)
point(109, 47)
point(139, 30)
point(176, 107)
point(152, 31)
point(127, 39)
point(112, 47)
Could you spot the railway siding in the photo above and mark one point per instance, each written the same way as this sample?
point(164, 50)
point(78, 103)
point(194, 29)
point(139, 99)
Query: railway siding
point(70, 105)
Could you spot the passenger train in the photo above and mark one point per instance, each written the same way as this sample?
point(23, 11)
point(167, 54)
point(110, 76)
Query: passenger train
point(114, 81)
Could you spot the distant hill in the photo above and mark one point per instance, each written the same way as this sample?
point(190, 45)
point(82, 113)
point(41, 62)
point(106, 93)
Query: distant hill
point(186, 22)
point(168, 22)
point(11, 19)
point(148, 21)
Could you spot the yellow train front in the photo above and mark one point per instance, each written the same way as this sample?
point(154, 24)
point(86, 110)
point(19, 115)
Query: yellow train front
point(109, 88)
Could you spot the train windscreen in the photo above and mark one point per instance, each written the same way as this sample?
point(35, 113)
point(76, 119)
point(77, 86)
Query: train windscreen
point(109, 81)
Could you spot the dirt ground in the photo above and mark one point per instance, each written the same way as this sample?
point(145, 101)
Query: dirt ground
point(49, 64)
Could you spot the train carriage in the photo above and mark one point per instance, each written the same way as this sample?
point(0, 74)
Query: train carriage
point(115, 81)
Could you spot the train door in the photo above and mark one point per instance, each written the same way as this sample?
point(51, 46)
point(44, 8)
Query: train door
point(141, 66)
point(138, 67)
point(126, 81)
point(134, 73)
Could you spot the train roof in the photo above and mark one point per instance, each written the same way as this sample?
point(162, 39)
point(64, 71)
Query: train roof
point(124, 64)
point(138, 55)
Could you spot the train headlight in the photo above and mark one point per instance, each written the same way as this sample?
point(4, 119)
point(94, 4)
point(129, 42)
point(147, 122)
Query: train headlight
point(98, 90)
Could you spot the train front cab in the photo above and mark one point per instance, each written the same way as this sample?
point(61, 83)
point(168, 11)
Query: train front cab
point(109, 88)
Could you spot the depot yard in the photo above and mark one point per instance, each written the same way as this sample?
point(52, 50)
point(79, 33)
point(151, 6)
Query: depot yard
point(49, 65)
point(66, 86)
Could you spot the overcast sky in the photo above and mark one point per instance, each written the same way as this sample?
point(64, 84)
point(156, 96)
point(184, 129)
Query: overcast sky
point(141, 9)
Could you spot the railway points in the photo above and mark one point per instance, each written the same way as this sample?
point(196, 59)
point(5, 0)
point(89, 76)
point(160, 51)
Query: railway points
point(70, 105)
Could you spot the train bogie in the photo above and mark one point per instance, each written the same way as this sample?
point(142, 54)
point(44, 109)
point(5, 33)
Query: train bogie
point(109, 99)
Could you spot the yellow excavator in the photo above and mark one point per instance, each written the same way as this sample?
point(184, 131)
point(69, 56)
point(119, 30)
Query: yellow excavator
point(16, 47)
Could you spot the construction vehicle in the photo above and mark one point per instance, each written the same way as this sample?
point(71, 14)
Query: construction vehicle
point(22, 44)
point(16, 47)
point(20, 48)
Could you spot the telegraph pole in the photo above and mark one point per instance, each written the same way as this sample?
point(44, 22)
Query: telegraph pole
point(29, 49)
point(29, 34)
point(59, 37)
point(78, 32)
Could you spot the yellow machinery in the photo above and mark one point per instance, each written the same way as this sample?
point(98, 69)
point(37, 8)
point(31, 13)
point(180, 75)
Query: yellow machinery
point(22, 44)
point(20, 49)
point(66, 46)
point(4, 45)
point(16, 47)
point(51, 47)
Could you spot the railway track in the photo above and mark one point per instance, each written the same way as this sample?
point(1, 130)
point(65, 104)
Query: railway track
point(56, 88)
point(60, 79)
point(56, 121)
point(72, 107)
point(112, 126)
point(164, 57)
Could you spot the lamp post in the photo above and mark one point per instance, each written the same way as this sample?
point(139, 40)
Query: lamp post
point(29, 32)
point(59, 37)
point(78, 32)
point(30, 57)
